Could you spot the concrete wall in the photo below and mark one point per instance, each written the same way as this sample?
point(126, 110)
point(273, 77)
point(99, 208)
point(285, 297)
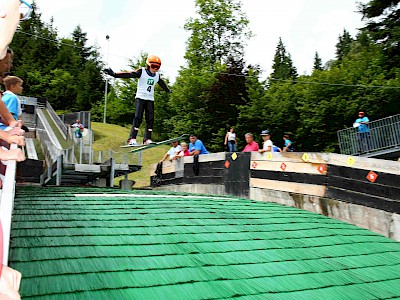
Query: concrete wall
point(337, 186)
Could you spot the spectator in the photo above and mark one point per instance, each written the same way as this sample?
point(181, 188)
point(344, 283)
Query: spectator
point(196, 146)
point(6, 117)
point(251, 144)
point(144, 103)
point(363, 132)
point(173, 151)
point(230, 140)
point(268, 146)
point(183, 152)
point(78, 129)
point(288, 144)
point(14, 87)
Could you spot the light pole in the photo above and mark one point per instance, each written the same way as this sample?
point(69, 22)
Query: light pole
point(106, 89)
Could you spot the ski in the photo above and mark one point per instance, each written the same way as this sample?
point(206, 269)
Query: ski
point(152, 145)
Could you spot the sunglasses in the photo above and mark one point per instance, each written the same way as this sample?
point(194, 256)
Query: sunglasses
point(155, 67)
point(25, 10)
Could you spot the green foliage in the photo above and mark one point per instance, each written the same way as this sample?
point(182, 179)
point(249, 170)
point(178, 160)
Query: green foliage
point(219, 32)
point(384, 27)
point(283, 67)
point(317, 63)
point(343, 45)
point(65, 70)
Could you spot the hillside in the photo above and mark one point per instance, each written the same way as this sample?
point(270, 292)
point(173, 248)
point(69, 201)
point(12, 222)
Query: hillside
point(109, 136)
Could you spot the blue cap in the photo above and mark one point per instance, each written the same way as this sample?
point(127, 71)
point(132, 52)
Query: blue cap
point(265, 132)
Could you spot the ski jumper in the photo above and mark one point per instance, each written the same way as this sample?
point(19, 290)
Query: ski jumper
point(144, 102)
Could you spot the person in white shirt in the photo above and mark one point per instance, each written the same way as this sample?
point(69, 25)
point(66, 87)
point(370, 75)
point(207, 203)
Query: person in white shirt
point(175, 149)
point(268, 146)
point(230, 140)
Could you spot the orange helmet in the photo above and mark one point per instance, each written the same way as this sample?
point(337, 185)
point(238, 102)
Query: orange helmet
point(153, 61)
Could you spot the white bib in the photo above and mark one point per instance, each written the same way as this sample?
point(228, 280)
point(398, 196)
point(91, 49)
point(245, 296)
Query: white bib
point(146, 84)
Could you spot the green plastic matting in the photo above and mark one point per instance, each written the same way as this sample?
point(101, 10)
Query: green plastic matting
point(90, 243)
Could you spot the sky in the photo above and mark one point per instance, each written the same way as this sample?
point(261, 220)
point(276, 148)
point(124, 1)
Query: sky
point(135, 26)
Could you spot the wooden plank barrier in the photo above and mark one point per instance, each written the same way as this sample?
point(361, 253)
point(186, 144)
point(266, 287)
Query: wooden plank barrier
point(366, 181)
point(295, 172)
point(363, 181)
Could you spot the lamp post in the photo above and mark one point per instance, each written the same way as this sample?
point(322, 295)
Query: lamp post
point(106, 88)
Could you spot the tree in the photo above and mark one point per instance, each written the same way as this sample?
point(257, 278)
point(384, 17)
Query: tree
point(40, 55)
point(384, 27)
point(283, 65)
point(343, 46)
point(317, 63)
point(208, 93)
point(218, 33)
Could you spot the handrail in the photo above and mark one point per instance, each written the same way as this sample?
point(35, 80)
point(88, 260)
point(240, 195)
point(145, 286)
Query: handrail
point(384, 134)
point(83, 116)
point(7, 203)
point(60, 124)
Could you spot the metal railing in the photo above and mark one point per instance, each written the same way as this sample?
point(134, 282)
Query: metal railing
point(83, 116)
point(60, 124)
point(7, 204)
point(383, 135)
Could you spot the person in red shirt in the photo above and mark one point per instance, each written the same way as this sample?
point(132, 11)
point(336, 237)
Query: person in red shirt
point(251, 144)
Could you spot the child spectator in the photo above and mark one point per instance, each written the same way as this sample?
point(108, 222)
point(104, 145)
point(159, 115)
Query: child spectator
point(268, 146)
point(183, 152)
point(288, 144)
point(14, 87)
point(78, 129)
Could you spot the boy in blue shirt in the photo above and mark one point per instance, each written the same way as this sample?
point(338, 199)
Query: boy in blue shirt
point(288, 144)
point(14, 87)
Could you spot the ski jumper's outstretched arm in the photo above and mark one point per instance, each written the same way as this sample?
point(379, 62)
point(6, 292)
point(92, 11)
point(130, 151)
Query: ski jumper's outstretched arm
point(128, 74)
point(164, 86)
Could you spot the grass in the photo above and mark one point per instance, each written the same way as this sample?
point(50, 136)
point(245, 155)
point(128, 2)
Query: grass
point(64, 144)
point(111, 137)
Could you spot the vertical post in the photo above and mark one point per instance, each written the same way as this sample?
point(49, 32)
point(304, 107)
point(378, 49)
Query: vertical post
point(90, 147)
point(59, 170)
point(112, 170)
point(140, 158)
point(80, 150)
point(106, 88)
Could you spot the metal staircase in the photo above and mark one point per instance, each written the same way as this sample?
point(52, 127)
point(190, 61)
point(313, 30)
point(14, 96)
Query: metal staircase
point(69, 160)
point(383, 140)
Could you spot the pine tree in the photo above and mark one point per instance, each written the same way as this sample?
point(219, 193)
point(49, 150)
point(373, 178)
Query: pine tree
point(317, 62)
point(344, 45)
point(283, 65)
point(383, 26)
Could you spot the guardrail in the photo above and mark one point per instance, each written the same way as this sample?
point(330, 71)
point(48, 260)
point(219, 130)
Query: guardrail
point(60, 124)
point(7, 204)
point(383, 135)
point(83, 116)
